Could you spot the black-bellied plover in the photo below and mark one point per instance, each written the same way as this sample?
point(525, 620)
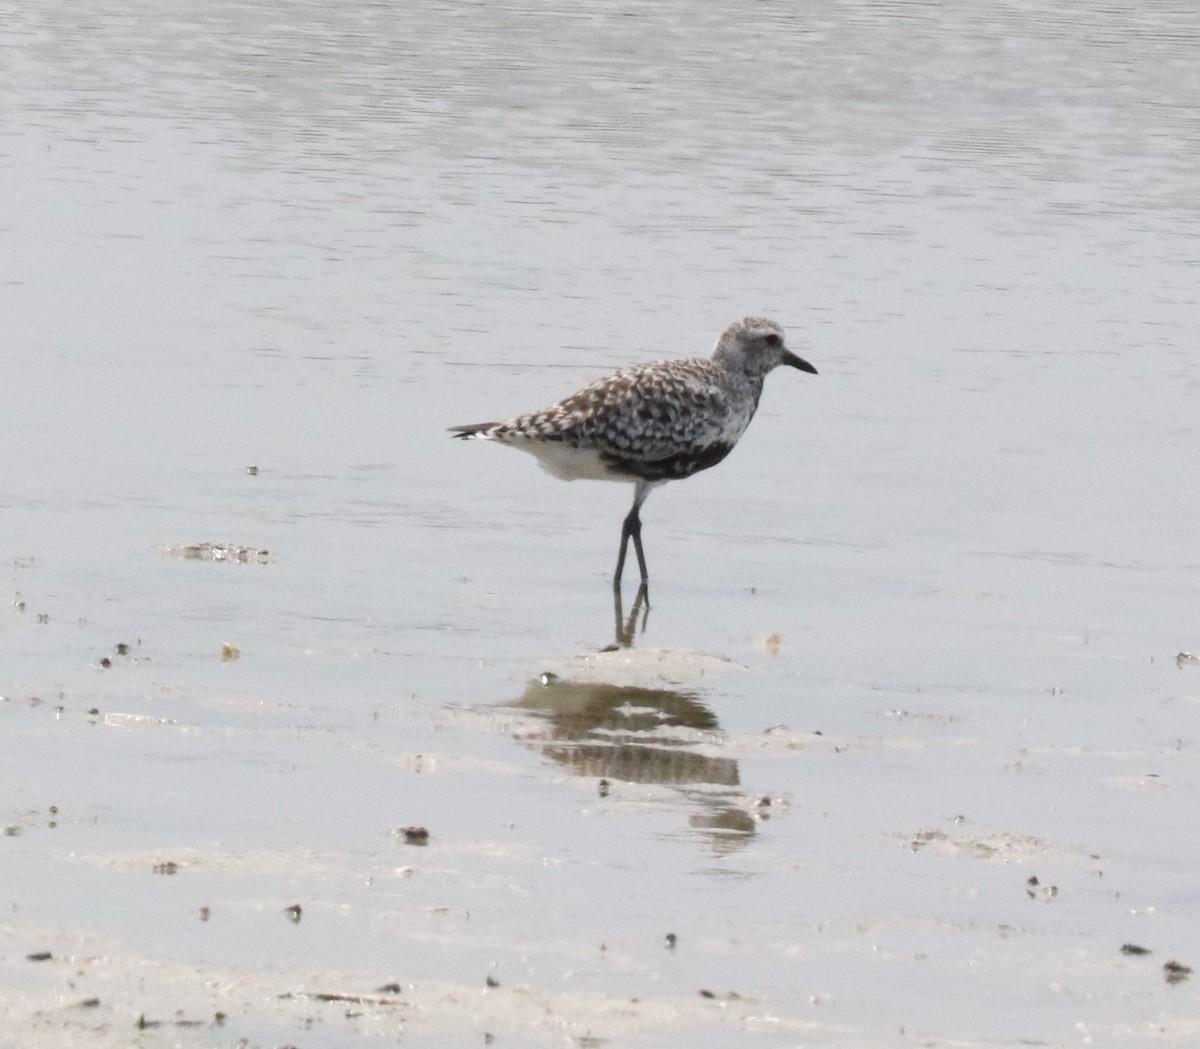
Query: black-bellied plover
point(651, 423)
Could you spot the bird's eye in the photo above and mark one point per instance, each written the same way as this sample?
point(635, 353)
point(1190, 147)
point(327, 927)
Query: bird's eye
point(773, 340)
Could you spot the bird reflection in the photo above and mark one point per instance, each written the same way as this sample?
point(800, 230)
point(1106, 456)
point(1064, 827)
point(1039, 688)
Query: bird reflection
point(626, 628)
point(641, 735)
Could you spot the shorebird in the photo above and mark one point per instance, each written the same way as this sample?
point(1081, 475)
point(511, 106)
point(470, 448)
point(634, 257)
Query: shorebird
point(651, 423)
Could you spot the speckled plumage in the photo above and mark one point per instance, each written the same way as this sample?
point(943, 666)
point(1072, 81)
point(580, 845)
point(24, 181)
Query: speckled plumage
point(652, 423)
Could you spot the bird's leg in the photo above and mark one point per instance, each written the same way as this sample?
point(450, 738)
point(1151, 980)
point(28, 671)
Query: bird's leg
point(631, 528)
point(640, 603)
point(626, 532)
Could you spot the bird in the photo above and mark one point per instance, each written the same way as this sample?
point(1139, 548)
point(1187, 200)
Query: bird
point(651, 423)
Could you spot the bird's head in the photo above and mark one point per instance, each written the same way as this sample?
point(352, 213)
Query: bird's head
point(754, 345)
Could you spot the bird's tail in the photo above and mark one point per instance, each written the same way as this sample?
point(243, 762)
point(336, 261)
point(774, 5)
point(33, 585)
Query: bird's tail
point(476, 430)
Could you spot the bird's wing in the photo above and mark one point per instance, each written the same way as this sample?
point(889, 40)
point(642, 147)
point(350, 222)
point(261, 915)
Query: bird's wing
point(647, 411)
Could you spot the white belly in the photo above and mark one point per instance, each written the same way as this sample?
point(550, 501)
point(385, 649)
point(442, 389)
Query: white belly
point(567, 463)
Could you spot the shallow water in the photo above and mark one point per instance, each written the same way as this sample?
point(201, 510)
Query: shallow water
point(953, 571)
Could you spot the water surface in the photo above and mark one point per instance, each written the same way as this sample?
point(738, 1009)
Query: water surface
point(956, 769)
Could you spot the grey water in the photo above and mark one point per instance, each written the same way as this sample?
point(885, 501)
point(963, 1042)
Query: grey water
point(308, 237)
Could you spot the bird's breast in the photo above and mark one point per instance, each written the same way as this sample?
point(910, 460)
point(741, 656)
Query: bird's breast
point(674, 466)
